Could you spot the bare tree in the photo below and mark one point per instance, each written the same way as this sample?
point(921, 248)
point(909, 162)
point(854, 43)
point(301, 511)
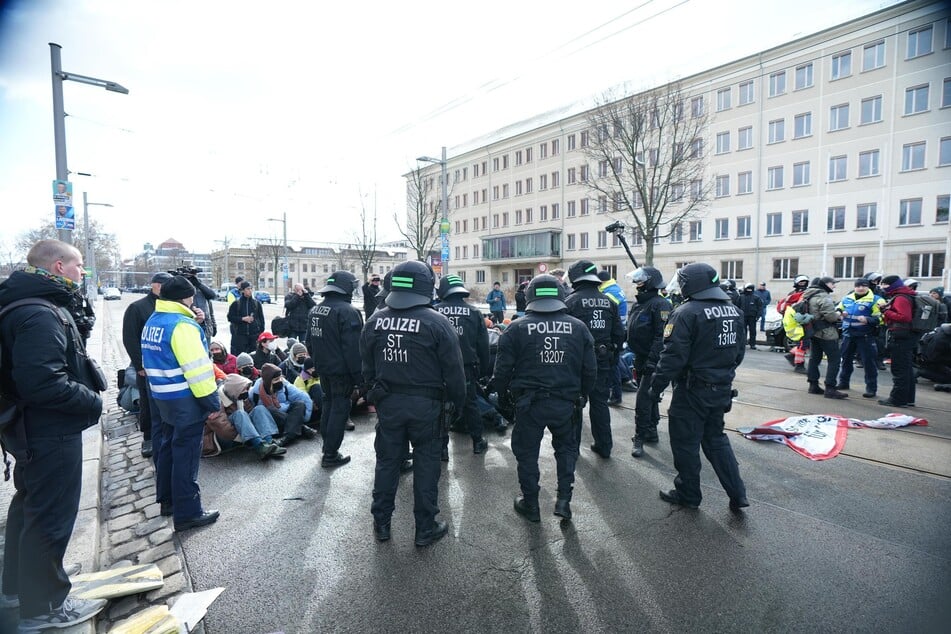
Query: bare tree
point(647, 154)
point(270, 250)
point(104, 245)
point(365, 240)
point(423, 196)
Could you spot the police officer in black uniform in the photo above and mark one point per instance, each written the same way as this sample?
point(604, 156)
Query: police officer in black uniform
point(334, 345)
point(704, 343)
point(600, 314)
point(547, 361)
point(413, 365)
point(469, 325)
point(645, 338)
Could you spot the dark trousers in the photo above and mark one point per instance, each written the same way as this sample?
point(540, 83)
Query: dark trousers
point(290, 422)
point(598, 411)
point(831, 349)
point(40, 522)
point(178, 453)
point(335, 411)
point(751, 330)
point(498, 316)
point(470, 412)
point(401, 419)
point(300, 335)
point(620, 369)
point(558, 416)
point(901, 349)
point(646, 409)
point(241, 342)
point(145, 406)
point(695, 419)
point(864, 346)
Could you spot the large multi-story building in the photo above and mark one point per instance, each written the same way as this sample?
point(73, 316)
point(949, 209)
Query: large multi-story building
point(830, 154)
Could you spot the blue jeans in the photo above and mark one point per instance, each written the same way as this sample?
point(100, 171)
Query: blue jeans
point(864, 346)
point(258, 424)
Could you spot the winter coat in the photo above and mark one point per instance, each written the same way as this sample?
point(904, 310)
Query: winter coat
point(262, 394)
point(296, 310)
point(242, 307)
point(823, 309)
point(136, 314)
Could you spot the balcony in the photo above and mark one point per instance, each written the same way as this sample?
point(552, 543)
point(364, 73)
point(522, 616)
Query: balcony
point(524, 247)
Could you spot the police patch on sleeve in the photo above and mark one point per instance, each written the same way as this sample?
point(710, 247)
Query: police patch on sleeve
point(668, 330)
point(665, 314)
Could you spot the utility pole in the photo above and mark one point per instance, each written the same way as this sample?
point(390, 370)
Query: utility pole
point(226, 275)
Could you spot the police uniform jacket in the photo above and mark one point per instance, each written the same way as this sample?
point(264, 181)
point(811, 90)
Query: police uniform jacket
point(546, 352)
point(599, 312)
point(853, 307)
point(242, 307)
point(704, 342)
point(413, 351)
point(175, 356)
point(334, 338)
point(751, 304)
point(469, 325)
point(645, 328)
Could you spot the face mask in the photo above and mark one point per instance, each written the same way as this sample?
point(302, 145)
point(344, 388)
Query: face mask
point(300, 360)
point(272, 345)
point(247, 370)
point(243, 396)
point(277, 387)
point(218, 356)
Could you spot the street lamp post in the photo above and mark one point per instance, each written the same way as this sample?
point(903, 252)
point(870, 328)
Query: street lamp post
point(444, 204)
point(59, 114)
point(89, 256)
point(282, 220)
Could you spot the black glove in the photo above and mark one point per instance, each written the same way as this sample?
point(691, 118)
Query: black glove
point(656, 393)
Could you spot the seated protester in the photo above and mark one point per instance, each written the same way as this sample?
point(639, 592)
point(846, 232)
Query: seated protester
point(220, 375)
point(245, 367)
point(227, 362)
point(308, 381)
point(289, 406)
point(239, 421)
point(267, 351)
point(293, 364)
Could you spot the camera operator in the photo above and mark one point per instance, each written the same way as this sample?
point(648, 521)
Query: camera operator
point(202, 307)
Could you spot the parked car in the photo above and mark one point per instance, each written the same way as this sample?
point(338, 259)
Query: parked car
point(222, 293)
point(111, 292)
point(262, 296)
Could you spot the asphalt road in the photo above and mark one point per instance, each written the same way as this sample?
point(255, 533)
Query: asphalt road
point(856, 543)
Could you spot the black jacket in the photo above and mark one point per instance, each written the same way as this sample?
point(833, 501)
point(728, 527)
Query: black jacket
point(371, 298)
point(751, 304)
point(600, 314)
point(43, 362)
point(469, 325)
point(203, 298)
point(520, 299)
point(297, 308)
point(242, 307)
point(334, 338)
point(645, 328)
point(137, 313)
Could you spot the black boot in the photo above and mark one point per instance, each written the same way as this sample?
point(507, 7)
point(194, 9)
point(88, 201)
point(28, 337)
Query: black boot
point(831, 392)
point(638, 450)
point(814, 388)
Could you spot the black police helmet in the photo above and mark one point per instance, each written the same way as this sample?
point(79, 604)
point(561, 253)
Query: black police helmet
point(583, 271)
point(647, 278)
point(700, 281)
point(544, 295)
point(411, 285)
point(748, 287)
point(451, 285)
point(342, 282)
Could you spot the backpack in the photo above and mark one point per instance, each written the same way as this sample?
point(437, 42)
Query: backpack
point(128, 396)
point(924, 316)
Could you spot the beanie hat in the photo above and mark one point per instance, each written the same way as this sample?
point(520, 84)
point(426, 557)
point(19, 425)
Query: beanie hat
point(177, 288)
point(308, 367)
point(891, 282)
point(160, 278)
point(939, 290)
point(862, 282)
point(244, 285)
point(289, 342)
point(244, 359)
point(298, 348)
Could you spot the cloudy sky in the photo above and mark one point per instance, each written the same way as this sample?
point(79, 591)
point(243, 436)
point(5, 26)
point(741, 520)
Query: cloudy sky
point(240, 111)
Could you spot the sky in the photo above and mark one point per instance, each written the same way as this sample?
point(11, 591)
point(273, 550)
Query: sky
point(241, 111)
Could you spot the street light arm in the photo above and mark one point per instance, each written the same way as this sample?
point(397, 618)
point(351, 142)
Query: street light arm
point(94, 81)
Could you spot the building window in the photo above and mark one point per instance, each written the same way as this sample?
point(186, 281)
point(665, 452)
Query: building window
point(465, 252)
point(909, 212)
point(723, 142)
point(723, 186)
point(838, 166)
point(495, 164)
point(584, 240)
point(941, 208)
point(518, 216)
point(475, 250)
point(495, 192)
point(505, 218)
point(731, 269)
point(835, 219)
point(543, 182)
point(555, 144)
point(585, 208)
point(746, 93)
point(571, 175)
point(723, 99)
point(848, 266)
point(495, 221)
point(505, 161)
point(777, 130)
point(555, 178)
point(946, 91)
point(774, 224)
point(777, 84)
point(841, 65)
point(677, 233)
point(543, 213)
point(585, 136)
point(543, 151)
point(804, 76)
point(800, 221)
point(916, 99)
point(913, 156)
point(480, 276)
point(744, 227)
point(571, 142)
point(528, 185)
point(744, 183)
point(785, 268)
point(871, 110)
point(925, 264)
point(800, 174)
point(505, 190)
point(528, 215)
point(696, 189)
point(774, 177)
point(839, 117)
point(555, 211)
point(676, 195)
point(696, 230)
point(744, 138)
point(696, 106)
point(919, 42)
point(873, 56)
point(696, 148)
point(528, 155)
point(866, 216)
point(802, 125)
point(602, 204)
point(868, 163)
point(602, 239)
point(721, 228)
point(571, 208)
point(944, 151)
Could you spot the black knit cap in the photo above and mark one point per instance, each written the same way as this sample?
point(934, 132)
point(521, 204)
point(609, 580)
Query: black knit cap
point(177, 288)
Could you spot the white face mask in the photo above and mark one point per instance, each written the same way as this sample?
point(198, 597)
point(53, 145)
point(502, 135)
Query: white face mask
point(272, 345)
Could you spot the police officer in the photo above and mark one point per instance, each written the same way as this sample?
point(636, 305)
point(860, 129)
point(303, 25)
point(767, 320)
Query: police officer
point(182, 383)
point(600, 314)
point(469, 325)
point(547, 361)
point(645, 338)
point(334, 345)
point(412, 362)
point(704, 342)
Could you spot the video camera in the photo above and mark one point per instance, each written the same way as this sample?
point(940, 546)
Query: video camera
point(187, 271)
point(615, 227)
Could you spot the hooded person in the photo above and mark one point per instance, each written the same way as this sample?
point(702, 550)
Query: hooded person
point(944, 310)
point(227, 362)
point(308, 381)
point(294, 363)
point(240, 421)
point(245, 366)
point(902, 340)
point(289, 406)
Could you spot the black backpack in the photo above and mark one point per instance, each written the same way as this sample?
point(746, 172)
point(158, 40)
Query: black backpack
point(924, 315)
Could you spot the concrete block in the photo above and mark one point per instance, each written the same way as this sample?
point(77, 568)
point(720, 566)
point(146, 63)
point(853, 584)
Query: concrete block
point(173, 585)
point(141, 486)
point(153, 510)
point(150, 526)
point(122, 500)
point(119, 511)
point(92, 443)
point(120, 537)
point(142, 503)
point(158, 552)
point(122, 563)
point(123, 608)
point(128, 549)
point(126, 521)
point(89, 497)
point(170, 565)
point(161, 536)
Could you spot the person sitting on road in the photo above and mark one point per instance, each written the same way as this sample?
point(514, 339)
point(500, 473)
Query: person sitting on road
point(267, 351)
point(222, 358)
point(239, 421)
point(245, 366)
point(289, 406)
point(308, 381)
point(292, 365)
